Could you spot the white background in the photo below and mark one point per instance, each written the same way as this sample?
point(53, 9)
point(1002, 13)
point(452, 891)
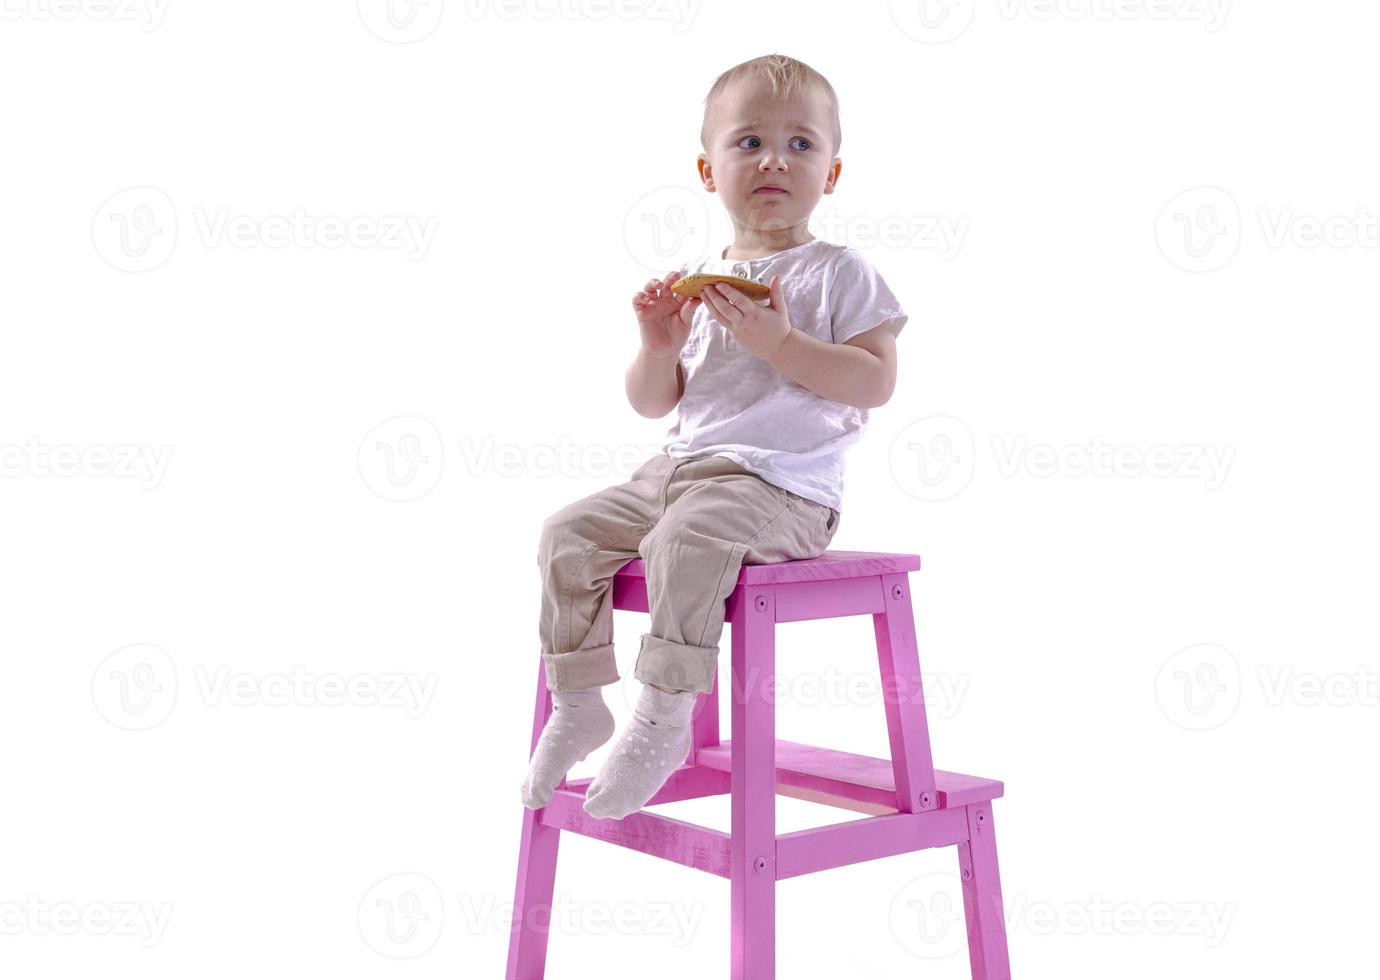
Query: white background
point(1172, 665)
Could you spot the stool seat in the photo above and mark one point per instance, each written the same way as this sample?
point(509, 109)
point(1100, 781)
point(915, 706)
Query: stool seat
point(828, 567)
point(911, 805)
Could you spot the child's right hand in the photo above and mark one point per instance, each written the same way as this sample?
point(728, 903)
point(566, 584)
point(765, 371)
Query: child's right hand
point(663, 317)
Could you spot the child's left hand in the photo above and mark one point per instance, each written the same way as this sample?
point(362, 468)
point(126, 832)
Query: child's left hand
point(761, 330)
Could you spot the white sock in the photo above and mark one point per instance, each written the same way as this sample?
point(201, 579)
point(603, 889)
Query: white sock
point(656, 741)
point(580, 722)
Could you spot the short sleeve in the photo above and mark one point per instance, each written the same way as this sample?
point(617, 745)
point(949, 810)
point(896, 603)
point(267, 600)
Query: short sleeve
point(859, 298)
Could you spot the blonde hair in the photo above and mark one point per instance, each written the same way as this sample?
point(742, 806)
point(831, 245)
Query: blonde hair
point(787, 77)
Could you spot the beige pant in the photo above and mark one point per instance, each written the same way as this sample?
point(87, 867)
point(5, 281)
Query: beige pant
point(694, 522)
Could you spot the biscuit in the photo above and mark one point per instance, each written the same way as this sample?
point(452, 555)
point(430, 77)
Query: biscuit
point(692, 285)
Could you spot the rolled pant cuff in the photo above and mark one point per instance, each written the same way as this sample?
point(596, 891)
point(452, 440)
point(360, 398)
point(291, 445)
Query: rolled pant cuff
point(676, 665)
point(579, 670)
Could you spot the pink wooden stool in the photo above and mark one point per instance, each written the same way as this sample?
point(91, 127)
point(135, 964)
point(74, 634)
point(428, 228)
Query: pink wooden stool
point(912, 805)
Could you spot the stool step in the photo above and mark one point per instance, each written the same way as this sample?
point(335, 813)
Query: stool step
point(854, 782)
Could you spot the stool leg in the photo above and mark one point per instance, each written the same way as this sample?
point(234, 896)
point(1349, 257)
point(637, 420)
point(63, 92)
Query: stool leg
point(906, 722)
point(982, 906)
point(705, 732)
point(536, 877)
point(753, 617)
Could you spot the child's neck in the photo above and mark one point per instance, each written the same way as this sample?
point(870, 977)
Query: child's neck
point(749, 246)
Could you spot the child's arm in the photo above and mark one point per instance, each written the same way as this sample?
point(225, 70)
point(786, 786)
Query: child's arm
point(654, 383)
point(860, 372)
point(654, 380)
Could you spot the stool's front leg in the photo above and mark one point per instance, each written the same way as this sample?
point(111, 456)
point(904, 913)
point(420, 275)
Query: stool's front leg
point(536, 877)
point(982, 904)
point(753, 618)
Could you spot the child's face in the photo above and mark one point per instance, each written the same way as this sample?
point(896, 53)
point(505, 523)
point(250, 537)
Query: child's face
point(756, 139)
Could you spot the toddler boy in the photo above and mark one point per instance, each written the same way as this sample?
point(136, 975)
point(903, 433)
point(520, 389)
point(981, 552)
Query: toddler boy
point(770, 395)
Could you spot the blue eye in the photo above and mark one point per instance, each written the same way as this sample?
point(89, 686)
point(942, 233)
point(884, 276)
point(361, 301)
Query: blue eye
point(801, 139)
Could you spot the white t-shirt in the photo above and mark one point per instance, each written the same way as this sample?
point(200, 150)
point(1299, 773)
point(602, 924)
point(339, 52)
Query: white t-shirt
point(737, 405)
